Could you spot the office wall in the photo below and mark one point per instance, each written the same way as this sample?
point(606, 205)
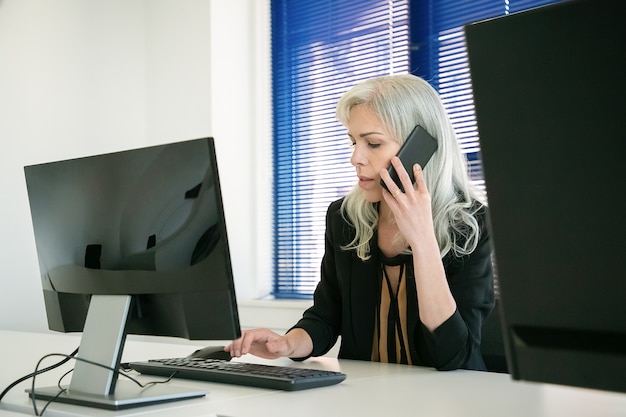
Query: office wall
point(79, 77)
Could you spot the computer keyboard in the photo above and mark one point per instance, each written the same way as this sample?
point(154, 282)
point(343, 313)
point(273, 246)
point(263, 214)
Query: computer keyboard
point(240, 373)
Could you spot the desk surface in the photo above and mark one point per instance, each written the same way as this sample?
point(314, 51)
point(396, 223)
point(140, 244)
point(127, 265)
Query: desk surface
point(372, 389)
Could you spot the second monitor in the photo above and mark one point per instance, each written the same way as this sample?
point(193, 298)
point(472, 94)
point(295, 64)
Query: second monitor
point(549, 92)
point(131, 242)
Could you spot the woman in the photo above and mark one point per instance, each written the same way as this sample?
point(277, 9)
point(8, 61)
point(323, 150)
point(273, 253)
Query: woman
point(406, 276)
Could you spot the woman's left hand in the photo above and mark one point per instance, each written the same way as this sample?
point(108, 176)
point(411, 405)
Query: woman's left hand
point(411, 208)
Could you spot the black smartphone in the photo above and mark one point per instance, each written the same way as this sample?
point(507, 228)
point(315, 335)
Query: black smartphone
point(418, 147)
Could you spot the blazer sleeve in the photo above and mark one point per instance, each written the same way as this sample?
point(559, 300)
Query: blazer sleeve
point(456, 342)
point(322, 321)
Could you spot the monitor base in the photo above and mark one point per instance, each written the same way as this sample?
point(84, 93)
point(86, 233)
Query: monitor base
point(127, 395)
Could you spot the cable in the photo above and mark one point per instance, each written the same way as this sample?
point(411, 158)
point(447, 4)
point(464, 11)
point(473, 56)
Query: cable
point(67, 358)
point(62, 390)
point(50, 401)
point(32, 375)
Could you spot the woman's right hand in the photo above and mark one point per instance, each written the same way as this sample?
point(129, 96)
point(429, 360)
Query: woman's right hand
point(270, 345)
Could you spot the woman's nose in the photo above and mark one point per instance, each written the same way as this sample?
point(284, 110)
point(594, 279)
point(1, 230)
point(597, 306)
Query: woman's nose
point(357, 157)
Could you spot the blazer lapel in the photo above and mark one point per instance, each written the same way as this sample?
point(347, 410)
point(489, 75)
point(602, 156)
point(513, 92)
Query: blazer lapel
point(364, 294)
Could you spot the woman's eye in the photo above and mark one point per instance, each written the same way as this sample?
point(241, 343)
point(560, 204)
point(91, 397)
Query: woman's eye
point(373, 145)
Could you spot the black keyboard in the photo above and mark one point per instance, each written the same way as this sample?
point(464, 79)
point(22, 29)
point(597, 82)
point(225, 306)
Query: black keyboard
point(240, 373)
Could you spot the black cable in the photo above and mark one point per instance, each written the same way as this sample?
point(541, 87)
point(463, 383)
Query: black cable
point(50, 401)
point(32, 375)
point(62, 390)
point(61, 379)
point(66, 358)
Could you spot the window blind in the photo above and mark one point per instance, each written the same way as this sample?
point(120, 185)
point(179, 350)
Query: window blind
point(439, 55)
point(320, 49)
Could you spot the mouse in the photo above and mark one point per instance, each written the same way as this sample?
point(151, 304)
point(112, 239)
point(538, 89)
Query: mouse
point(211, 352)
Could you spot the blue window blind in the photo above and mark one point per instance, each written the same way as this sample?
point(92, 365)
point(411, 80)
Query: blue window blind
point(321, 48)
point(438, 54)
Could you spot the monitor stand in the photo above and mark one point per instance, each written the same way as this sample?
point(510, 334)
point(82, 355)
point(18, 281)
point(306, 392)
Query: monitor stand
point(102, 342)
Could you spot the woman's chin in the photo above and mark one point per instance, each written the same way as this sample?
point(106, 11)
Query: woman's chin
point(373, 196)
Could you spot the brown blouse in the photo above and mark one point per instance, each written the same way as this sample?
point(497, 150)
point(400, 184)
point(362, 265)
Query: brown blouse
point(391, 340)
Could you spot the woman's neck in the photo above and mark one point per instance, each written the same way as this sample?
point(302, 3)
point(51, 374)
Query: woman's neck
point(387, 232)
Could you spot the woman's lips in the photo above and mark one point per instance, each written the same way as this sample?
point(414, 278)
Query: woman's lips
point(365, 182)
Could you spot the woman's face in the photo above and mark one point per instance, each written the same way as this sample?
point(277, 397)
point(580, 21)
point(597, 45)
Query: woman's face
point(372, 150)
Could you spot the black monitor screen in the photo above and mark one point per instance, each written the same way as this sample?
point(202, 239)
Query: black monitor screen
point(145, 222)
point(549, 90)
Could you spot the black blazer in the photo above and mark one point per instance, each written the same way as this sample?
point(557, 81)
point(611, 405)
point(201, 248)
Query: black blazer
point(347, 296)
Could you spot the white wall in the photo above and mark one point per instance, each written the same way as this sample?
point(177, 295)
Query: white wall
point(71, 83)
point(80, 77)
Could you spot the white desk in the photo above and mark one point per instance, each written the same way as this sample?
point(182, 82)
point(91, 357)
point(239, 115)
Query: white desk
point(372, 389)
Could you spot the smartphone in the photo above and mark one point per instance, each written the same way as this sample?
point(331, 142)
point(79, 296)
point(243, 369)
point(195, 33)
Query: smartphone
point(418, 148)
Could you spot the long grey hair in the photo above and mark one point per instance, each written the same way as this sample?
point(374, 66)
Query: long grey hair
point(402, 102)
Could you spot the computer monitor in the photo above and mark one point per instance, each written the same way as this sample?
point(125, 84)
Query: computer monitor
point(132, 242)
point(549, 90)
